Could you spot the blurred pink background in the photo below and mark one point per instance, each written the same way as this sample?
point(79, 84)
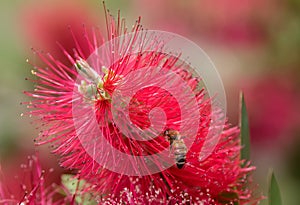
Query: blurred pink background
point(255, 46)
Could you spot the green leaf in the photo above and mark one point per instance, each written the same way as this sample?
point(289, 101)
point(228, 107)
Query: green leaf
point(244, 126)
point(274, 191)
point(75, 186)
point(228, 198)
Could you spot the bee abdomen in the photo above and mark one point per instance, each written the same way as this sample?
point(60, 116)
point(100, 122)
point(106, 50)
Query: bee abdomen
point(180, 151)
point(180, 162)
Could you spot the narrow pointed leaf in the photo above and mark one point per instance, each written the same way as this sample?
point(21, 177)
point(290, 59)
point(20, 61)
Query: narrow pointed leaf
point(244, 126)
point(274, 191)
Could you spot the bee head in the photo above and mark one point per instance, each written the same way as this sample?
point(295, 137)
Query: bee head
point(167, 132)
point(174, 133)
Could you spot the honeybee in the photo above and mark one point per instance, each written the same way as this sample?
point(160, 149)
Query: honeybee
point(177, 146)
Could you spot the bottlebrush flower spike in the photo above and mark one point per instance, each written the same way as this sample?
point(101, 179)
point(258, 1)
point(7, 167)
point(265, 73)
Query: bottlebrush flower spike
point(75, 107)
point(34, 187)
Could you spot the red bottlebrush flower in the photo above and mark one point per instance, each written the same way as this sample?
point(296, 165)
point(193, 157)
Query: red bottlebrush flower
point(97, 115)
point(33, 187)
